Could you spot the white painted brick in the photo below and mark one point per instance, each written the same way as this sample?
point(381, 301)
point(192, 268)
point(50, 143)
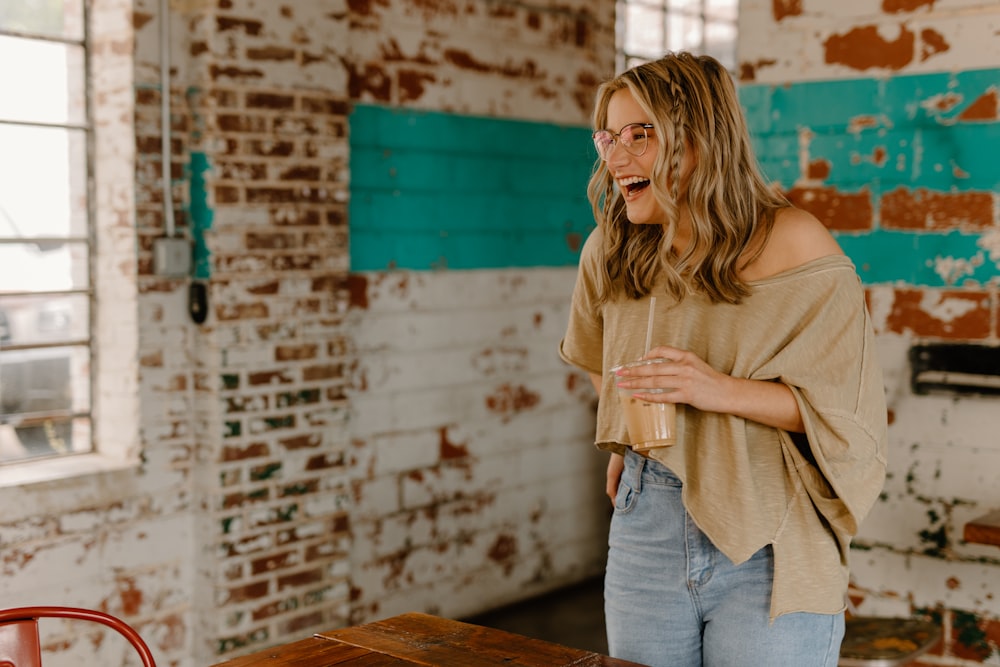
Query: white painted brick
point(402, 451)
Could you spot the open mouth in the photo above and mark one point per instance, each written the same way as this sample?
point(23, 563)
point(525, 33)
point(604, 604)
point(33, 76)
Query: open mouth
point(633, 185)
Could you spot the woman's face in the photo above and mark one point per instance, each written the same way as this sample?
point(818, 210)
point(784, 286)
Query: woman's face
point(632, 172)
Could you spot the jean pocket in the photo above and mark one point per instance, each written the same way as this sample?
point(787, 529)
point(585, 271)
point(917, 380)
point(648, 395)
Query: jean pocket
point(625, 498)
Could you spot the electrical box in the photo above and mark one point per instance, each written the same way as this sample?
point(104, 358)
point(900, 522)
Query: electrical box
point(172, 257)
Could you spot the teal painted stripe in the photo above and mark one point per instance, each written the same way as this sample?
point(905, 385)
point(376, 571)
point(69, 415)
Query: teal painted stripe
point(200, 214)
point(909, 258)
point(432, 191)
point(916, 124)
point(916, 141)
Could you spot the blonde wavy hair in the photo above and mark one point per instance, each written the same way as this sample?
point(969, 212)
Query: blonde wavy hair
point(692, 104)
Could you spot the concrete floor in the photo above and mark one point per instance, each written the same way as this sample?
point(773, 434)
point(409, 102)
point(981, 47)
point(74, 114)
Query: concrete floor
point(572, 616)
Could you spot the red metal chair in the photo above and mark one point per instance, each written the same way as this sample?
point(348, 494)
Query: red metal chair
point(20, 645)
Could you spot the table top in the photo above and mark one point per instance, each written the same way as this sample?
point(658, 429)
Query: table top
point(984, 530)
point(422, 639)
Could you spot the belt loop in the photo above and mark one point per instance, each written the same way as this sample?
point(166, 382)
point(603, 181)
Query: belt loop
point(640, 465)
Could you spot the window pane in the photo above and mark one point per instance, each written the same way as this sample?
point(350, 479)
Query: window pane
point(684, 33)
point(699, 26)
point(43, 267)
point(688, 6)
point(43, 319)
point(721, 10)
point(720, 41)
point(644, 30)
point(43, 436)
point(38, 381)
point(43, 180)
point(48, 18)
point(50, 90)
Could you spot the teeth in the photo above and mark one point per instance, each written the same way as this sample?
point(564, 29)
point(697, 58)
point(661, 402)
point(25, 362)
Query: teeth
point(631, 180)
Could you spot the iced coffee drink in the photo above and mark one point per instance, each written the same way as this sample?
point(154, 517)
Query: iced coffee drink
point(649, 425)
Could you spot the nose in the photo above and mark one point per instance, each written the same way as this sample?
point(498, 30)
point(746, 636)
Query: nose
point(617, 154)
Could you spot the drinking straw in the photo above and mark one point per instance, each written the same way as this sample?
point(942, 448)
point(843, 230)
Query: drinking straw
point(649, 324)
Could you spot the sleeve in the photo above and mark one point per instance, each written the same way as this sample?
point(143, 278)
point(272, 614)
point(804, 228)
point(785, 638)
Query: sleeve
point(831, 367)
point(582, 346)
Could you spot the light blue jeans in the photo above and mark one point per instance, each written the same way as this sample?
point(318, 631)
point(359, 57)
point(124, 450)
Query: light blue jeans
point(671, 599)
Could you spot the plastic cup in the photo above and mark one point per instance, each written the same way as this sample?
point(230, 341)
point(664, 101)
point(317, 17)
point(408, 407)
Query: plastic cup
point(649, 425)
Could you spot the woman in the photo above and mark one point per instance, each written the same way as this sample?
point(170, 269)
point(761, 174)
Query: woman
point(730, 547)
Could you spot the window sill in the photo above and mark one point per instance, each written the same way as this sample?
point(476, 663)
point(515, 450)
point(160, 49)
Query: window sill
point(19, 475)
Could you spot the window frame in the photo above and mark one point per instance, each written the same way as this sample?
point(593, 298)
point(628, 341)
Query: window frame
point(115, 437)
point(625, 59)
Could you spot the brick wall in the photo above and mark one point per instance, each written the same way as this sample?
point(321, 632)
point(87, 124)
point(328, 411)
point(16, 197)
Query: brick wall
point(875, 119)
point(477, 481)
point(326, 448)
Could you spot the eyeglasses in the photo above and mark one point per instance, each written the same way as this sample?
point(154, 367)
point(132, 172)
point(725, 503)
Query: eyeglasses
point(632, 138)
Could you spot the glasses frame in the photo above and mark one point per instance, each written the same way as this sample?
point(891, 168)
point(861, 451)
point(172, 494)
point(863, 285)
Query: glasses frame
point(616, 139)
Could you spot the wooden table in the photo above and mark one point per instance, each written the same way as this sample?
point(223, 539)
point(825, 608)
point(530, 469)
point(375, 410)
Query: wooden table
point(422, 639)
point(984, 530)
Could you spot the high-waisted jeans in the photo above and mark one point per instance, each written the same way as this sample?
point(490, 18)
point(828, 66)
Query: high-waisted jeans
point(671, 599)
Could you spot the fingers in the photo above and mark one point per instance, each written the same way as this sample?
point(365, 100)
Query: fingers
point(665, 352)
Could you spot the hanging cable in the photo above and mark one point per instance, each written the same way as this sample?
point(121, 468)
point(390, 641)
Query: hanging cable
point(168, 204)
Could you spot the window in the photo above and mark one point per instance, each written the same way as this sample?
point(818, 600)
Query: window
point(646, 29)
point(45, 230)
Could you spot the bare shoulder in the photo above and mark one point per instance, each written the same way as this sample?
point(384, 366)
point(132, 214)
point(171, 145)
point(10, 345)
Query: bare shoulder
point(797, 238)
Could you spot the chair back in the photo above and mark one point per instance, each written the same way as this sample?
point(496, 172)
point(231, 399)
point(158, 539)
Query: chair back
point(20, 645)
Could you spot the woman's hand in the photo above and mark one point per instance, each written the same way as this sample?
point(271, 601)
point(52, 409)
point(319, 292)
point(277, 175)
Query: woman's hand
point(616, 464)
point(685, 378)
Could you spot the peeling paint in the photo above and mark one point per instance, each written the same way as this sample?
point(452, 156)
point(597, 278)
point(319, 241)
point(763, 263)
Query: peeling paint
point(953, 269)
point(924, 209)
point(990, 242)
point(837, 210)
point(941, 103)
point(896, 6)
point(944, 309)
point(864, 47)
point(931, 43)
point(450, 450)
point(508, 400)
point(781, 9)
point(940, 314)
point(748, 69)
point(986, 107)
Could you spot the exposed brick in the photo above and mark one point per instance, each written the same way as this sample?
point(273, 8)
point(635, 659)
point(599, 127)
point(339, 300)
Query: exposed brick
point(246, 592)
point(275, 53)
point(295, 352)
point(278, 561)
point(241, 311)
point(837, 210)
point(949, 314)
point(271, 101)
point(322, 372)
point(275, 608)
point(270, 147)
point(926, 210)
point(299, 623)
point(300, 579)
point(249, 26)
point(234, 122)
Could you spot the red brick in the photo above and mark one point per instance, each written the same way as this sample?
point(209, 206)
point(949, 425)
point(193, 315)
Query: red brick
point(967, 317)
point(842, 211)
point(924, 209)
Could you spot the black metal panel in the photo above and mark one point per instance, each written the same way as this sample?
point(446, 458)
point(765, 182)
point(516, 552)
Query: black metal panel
point(955, 368)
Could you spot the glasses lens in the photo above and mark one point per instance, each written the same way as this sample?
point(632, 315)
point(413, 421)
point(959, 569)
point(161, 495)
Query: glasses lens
point(633, 138)
point(603, 141)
